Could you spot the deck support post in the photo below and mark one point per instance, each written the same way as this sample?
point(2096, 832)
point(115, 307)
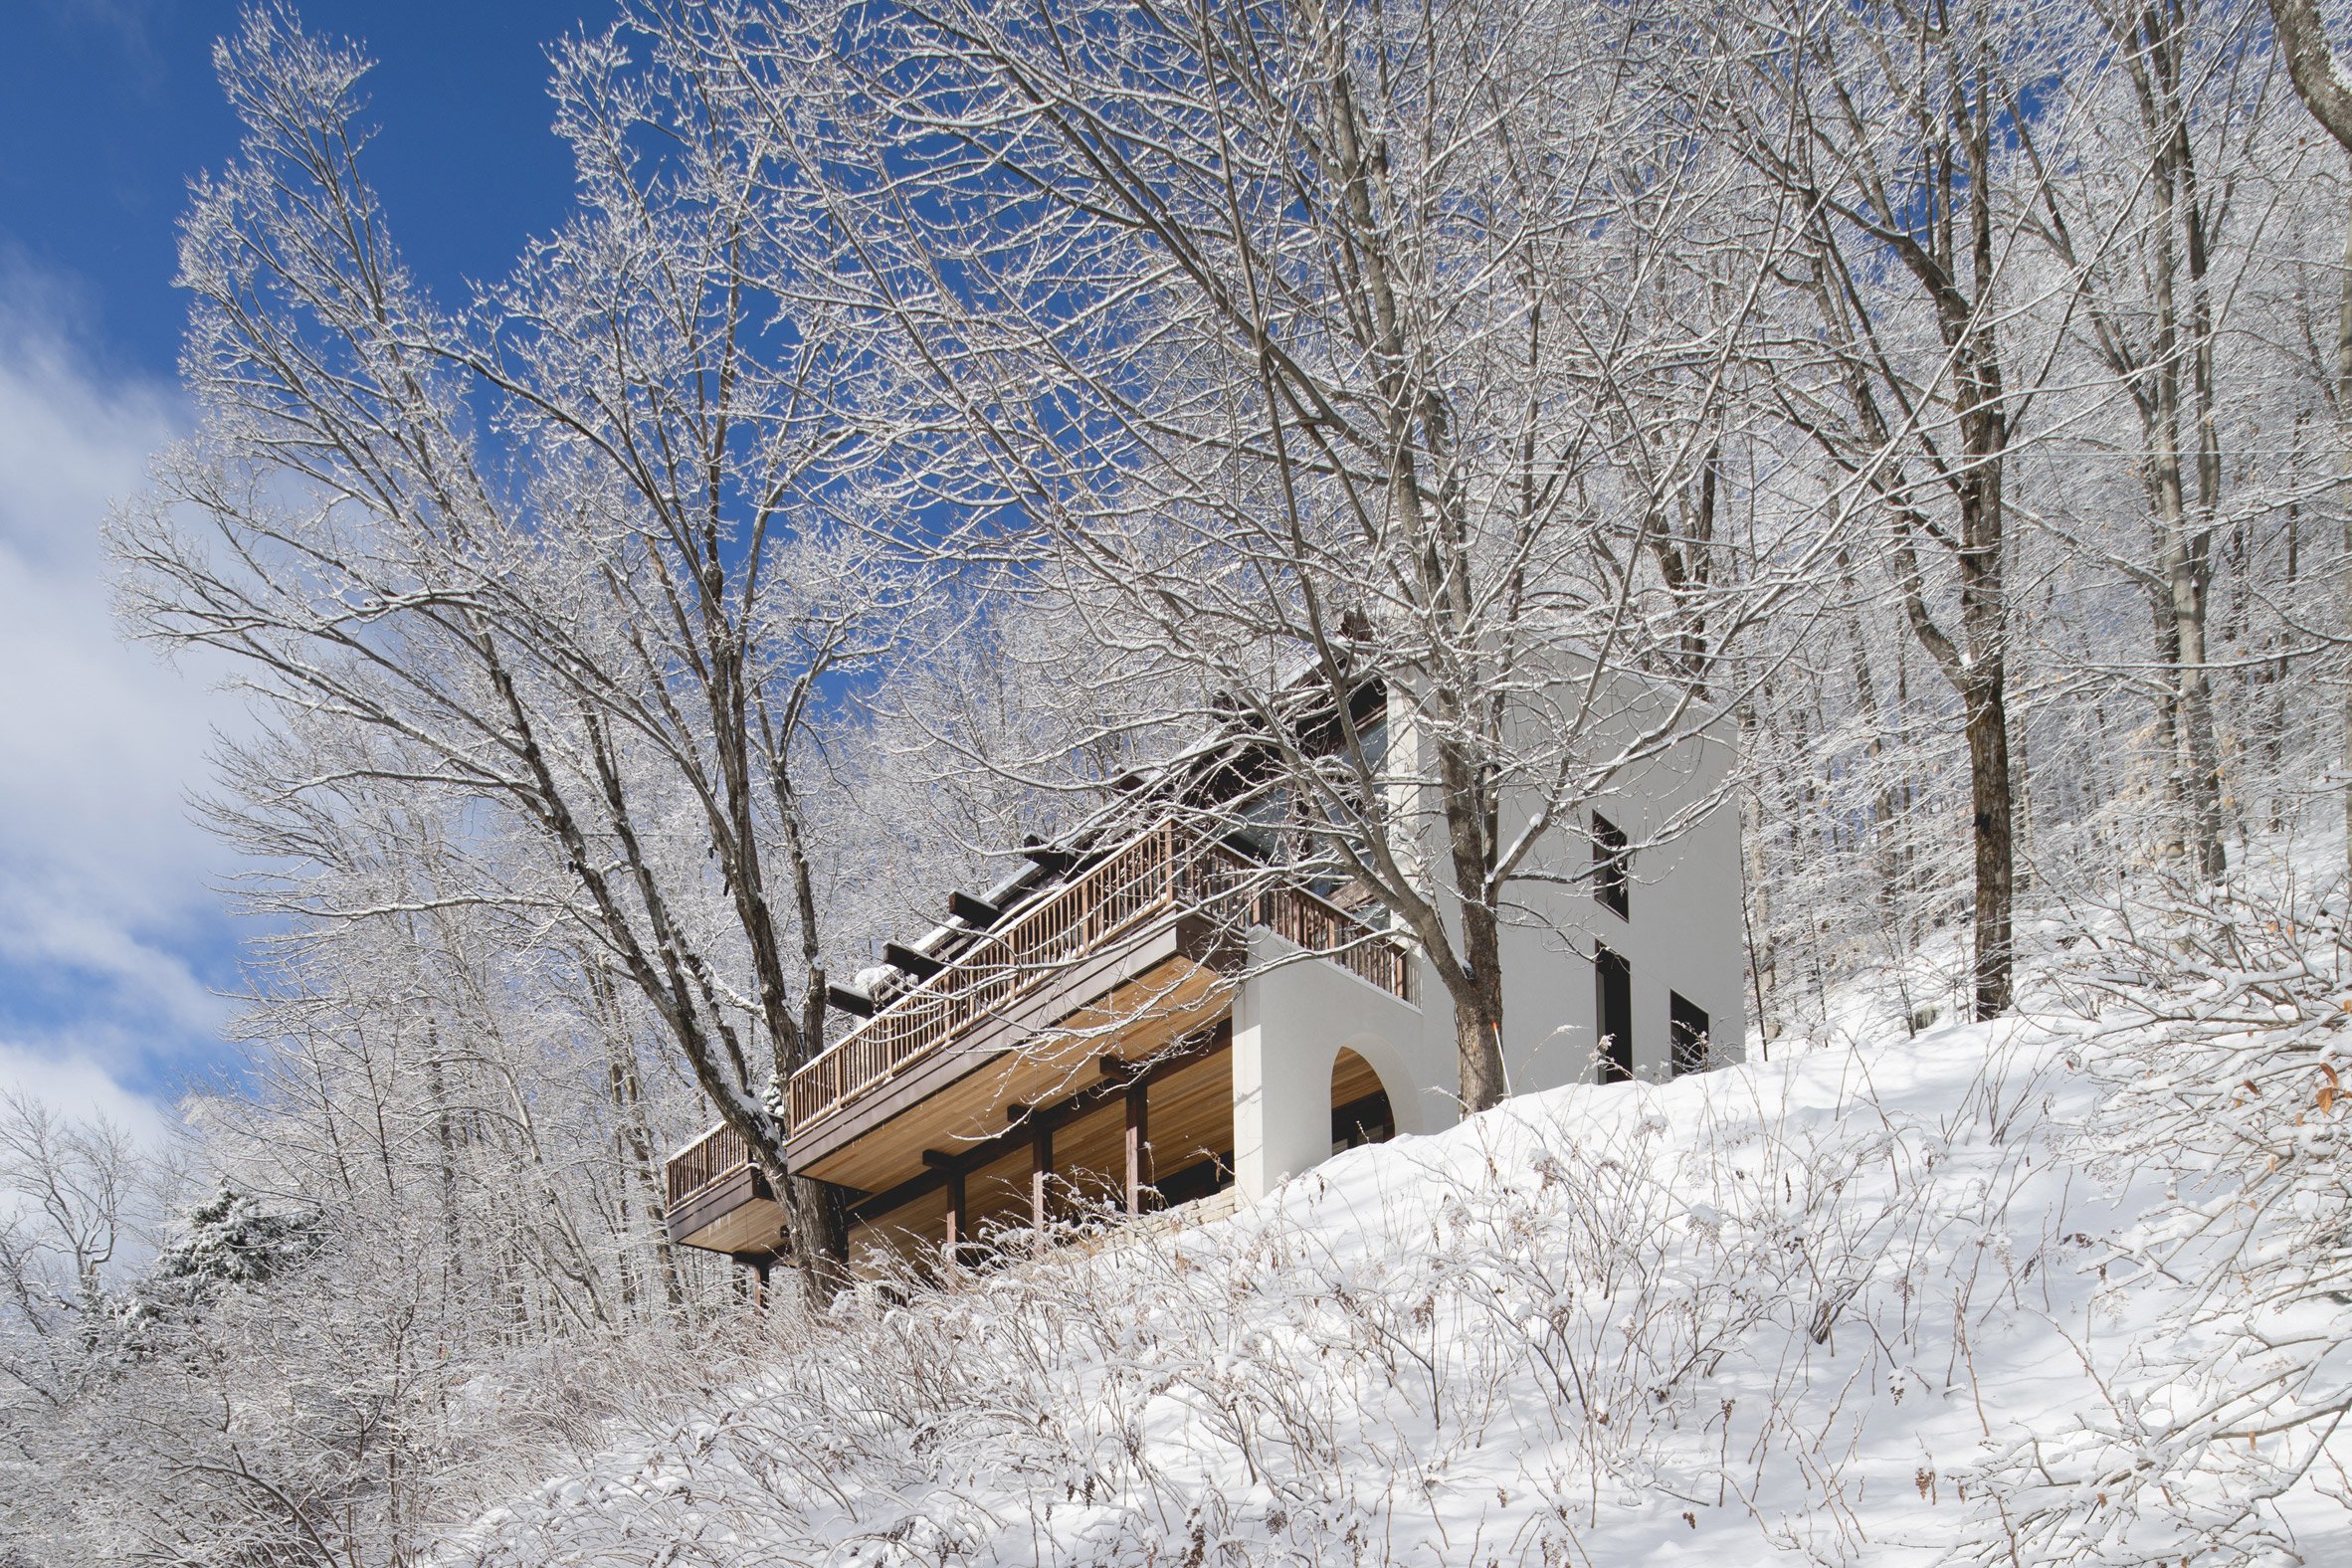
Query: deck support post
point(759, 1264)
point(1138, 1140)
point(958, 1220)
point(1041, 1171)
point(959, 1215)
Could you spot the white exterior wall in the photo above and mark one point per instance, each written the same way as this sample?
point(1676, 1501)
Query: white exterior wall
point(1684, 933)
point(1292, 1020)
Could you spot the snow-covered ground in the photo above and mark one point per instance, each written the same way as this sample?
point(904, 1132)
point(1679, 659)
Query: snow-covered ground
point(1922, 1300)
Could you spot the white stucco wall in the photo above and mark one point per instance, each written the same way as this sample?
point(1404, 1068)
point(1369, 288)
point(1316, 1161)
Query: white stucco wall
point(1683, 934)
point(1291, 1021)
point(1684, 931)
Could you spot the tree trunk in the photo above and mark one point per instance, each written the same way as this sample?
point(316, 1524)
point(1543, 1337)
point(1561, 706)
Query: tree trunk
point(2344, 476)
point(818, 1231)
point(2312, 65)
point(636, 1136)
point(1988, 782)
point(1983, 621)
point(2172, 843)
point(2321, 84)
point(1476, 988)
point(2020, 810)
point(2201, 758)
point(445, 1136)
point(1478, 1034)
point(2183, 533)
point(1756, 889)
point(1982, 682)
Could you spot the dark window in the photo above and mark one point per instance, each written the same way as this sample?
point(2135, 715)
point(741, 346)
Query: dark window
point(1687, 1030)
point(1196, 1180)
point(1613, 868)
point(1367, 1121)
point(1615, 979)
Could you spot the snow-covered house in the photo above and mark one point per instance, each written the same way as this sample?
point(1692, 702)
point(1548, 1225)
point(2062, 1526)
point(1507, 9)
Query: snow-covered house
point(1144, 1017)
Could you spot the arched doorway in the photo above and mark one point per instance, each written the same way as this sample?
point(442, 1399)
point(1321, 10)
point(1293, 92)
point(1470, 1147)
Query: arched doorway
point(1360, 1109)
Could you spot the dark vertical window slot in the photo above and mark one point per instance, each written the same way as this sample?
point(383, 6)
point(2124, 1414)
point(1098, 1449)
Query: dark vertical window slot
point(1612, 868)
point(1686, 1028)
point(1616, 1013)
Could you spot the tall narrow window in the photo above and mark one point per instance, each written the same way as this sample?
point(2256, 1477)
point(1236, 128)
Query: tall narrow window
point(1615, 981)
point(1686, 1033)
point(1613, 868)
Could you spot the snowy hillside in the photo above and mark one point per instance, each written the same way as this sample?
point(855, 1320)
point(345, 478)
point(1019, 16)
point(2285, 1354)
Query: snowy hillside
point(1890, 1305)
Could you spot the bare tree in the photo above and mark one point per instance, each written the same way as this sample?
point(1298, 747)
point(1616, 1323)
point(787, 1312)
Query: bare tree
point(581, 555)
point(2320, 78)
point(1308, 352)
point(2148, 296)
point(78, 1209)
point(2320, 82)
point(1897, 130)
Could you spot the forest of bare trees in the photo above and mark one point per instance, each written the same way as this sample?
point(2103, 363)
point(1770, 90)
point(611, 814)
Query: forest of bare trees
point(930, 411)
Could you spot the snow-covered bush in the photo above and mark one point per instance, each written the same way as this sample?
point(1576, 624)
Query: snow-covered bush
point(2220, 1049)
point(1869, 1305)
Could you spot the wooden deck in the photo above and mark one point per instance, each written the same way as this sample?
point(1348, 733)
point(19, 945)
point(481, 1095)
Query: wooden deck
point(717, 1199)
point(1161, 869)
point(1102, 974)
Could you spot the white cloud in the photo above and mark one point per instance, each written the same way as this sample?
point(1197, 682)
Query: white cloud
point(106, 914)
point(81, 1090)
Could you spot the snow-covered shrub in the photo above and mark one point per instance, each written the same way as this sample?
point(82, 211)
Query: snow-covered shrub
point(1828, 1308)
point(2222, 1047)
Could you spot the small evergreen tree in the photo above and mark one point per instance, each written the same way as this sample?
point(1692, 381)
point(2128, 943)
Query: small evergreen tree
point(235, 1239)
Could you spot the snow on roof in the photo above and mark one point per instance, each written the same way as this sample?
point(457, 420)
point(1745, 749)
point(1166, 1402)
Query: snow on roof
point(1216, 736)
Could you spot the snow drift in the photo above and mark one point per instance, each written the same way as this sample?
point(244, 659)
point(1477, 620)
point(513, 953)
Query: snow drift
point(1922, 1302)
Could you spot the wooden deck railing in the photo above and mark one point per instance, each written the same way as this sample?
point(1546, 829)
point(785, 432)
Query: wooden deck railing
point(1327, 929)
point(1162, 869)
point(721, 1152)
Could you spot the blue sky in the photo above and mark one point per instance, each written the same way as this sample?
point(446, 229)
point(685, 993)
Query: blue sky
point(113, 943)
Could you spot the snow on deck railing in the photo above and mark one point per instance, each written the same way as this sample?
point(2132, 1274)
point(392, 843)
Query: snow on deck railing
point(1162, 869)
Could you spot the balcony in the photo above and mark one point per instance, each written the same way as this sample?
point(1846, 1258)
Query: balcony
point(718, 1198)
point(1161, 870)
point(1156, 920)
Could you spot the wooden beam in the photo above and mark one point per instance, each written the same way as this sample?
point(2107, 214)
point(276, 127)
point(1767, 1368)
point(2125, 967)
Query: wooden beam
point(1048, 857)
point(1138, 1142)
point(875, 1205)
point(978, 913)
point(1040, 1173)
point(920, 965)
point(1361, 1115)
point(855, 1003)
